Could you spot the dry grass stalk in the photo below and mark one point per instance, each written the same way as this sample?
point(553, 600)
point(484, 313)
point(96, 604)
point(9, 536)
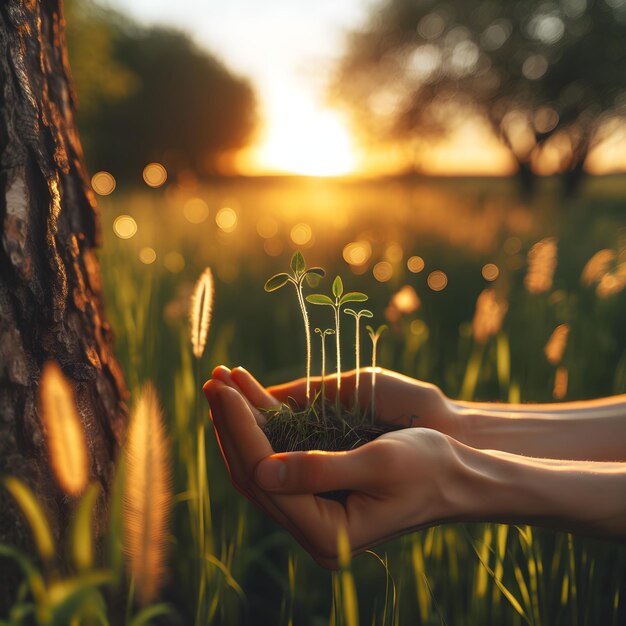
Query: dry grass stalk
point(200, 312)
point(560, 383)
point(541, 265)
point(489, 314)
point(556, 344)
point(612, 282)
point(147, 496)
point(597, 266)
point(65, 437)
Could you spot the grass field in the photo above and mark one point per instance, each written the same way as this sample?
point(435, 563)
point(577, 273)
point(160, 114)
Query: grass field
point(229, 563)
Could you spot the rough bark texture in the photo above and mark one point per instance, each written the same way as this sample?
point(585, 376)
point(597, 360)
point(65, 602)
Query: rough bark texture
point(50, 288)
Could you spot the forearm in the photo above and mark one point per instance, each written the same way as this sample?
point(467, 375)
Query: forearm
point(591, 430)
point(574, 496)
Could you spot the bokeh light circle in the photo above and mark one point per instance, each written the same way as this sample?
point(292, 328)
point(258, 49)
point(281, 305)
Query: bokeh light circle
point(383, 271)
point(301, 234)
point(267, 226)
point(357, 252)
point(437, 280)
point(195, 210)
point(147, 255)
point(124, 226)
point(490, 271)
point(103, 183)
point(154, 174)
point(174, 262)
point(415, 264)
point(226, 219)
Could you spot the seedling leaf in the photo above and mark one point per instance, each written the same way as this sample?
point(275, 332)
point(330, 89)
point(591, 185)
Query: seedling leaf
point(353, 296)
point(337, 287)
point(276, 282)
point(297, 263)
point(366, 313)
point(316, 270)
point(319, 298)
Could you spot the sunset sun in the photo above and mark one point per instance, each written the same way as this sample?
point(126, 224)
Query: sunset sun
point(306, 141)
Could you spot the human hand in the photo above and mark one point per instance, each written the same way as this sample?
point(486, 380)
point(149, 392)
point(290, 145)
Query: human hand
point(400, 400)
point(401, 481)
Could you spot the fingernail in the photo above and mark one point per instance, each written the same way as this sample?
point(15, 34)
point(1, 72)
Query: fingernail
point(271, 473)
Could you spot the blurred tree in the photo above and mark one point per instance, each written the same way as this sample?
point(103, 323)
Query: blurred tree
point(150, 94)
point(548, 76)
point(50, 289)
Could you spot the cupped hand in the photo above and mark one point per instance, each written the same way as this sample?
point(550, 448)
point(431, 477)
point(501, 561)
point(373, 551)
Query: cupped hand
point(398, 482)
point(400, 400)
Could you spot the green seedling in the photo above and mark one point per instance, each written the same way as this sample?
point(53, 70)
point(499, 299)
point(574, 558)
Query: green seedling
point(336, 304)
point(297, 278)
point(374, 336)
point(322, 334)
point(357, 345)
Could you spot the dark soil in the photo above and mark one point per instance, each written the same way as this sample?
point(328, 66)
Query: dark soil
point(292, 429)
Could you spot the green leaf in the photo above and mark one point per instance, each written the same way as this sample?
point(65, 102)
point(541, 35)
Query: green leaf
point(353, 296)
point(145, 616)
point(297, 263)
point(337, 287)
point(34, 514)
point(82, 541)
point(366, 313)
point(350, 312)
point(378, 332)
point(276, 282)
point(319, 271)
point(319, 298)
point(68, 597)
point(35, 579)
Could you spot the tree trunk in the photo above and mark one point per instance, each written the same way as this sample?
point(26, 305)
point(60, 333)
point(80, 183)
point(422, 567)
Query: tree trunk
point(50, 289)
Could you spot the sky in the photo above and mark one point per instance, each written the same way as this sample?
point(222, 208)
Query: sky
point(286, 48)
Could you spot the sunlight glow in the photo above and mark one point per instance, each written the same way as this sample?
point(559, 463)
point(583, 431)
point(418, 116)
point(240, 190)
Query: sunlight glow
point(303, 139)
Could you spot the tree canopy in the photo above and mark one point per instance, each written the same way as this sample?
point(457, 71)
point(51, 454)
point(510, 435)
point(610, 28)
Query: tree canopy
point(546, 75)
point(150, 94)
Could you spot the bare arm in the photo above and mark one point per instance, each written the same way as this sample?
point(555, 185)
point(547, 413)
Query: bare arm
point(593, 430)
point(590, 430)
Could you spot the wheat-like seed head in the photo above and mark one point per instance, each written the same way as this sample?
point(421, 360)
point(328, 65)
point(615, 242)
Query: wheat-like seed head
point(147, 496)
point(541, 265)
point(597, 266)
point(556, 344)
point(65, 437)
point(489, 314)
point(200, 312)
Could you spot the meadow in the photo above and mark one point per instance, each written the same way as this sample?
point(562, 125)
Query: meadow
point(447, 240)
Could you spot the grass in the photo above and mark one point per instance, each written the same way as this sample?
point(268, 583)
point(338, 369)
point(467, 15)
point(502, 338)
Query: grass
point(231, 564)
point(454, 574)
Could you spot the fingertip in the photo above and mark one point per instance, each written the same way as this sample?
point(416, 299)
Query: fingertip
point(221, 372)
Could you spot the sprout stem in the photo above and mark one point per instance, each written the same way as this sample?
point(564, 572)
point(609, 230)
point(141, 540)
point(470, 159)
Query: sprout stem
point(357, 358)
point(374, 343)
point(307, 332)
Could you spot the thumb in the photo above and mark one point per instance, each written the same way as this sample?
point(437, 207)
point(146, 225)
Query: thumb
point(315, 471)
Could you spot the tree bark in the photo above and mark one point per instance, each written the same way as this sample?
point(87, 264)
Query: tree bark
point(50, 289)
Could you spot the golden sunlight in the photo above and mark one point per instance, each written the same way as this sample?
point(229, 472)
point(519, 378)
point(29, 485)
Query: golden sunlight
point(305, 140)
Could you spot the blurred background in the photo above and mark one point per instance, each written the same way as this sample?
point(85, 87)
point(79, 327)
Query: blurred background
point(463, 163)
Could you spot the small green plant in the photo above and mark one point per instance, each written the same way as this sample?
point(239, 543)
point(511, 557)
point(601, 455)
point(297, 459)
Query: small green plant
point(374, 336)
point(322, 334)
point(340, 299)
point(297, 278)
point(357, 345)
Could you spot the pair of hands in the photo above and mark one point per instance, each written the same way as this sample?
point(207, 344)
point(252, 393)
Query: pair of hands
point(398, 482)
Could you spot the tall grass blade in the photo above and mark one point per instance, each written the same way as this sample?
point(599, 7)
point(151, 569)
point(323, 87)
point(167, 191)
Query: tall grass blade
point(147, 496)
point(35, 516)
point(82, 536)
